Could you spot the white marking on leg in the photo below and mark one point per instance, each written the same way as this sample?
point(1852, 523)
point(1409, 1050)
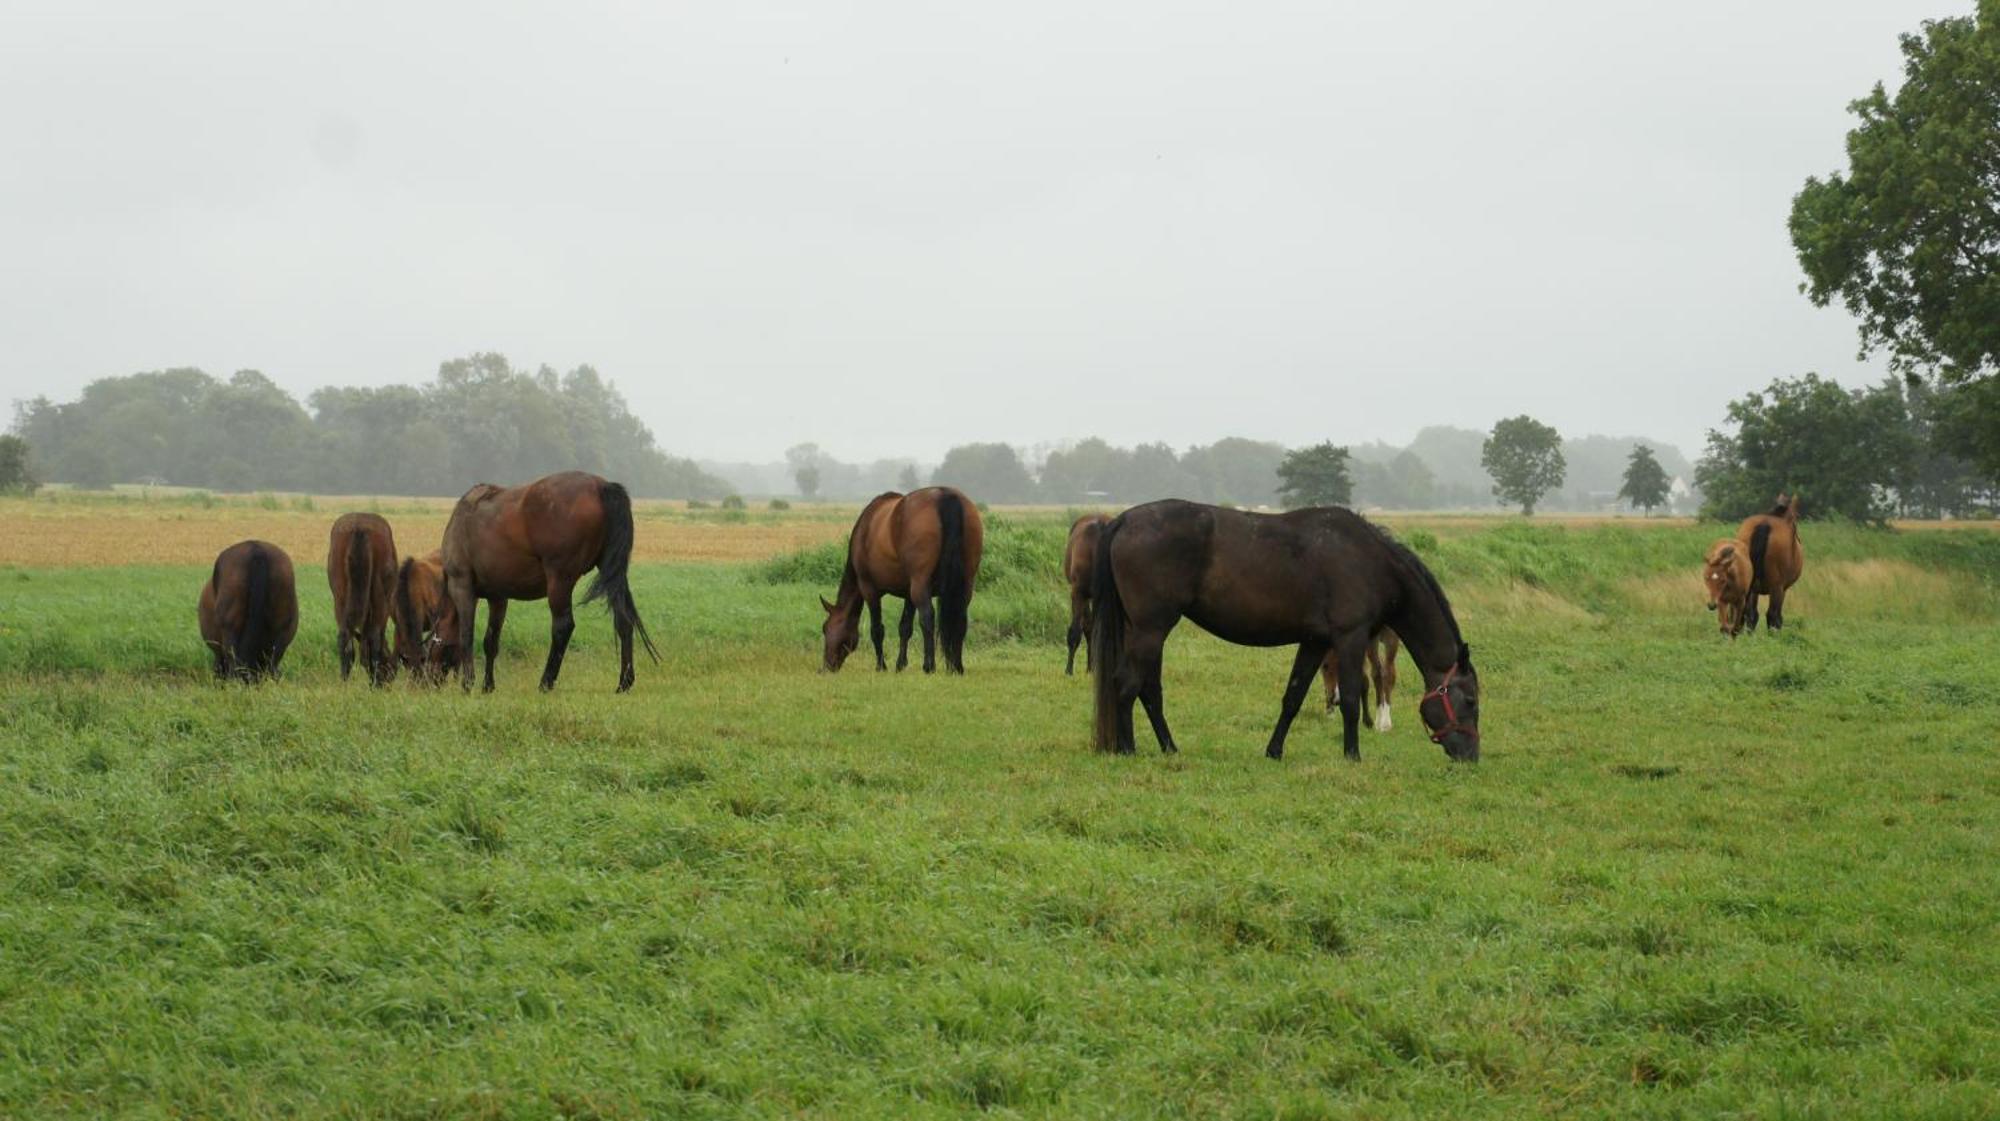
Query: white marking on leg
point(1336, 694)
point(1382, 720)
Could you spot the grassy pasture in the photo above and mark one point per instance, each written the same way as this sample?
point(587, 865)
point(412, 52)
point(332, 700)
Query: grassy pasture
point(1692, 878)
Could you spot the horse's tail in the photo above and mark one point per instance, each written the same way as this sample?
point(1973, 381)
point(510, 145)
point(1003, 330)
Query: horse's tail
point(1107, 639)
point(360, 582)
point(255, 637)
point(1760, 543)
point(613, 562)
point(953, 594)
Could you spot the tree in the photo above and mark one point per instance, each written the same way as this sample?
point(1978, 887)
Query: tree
point(1525, 459)
point(15, 472)
point(1646, 483)
point(804, 460)
point(1908, 239)
point(1315, 476)
point(1839, 451)
point(907, 480)
point(987, 472)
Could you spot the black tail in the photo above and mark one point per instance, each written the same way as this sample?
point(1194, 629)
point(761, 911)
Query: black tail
point(360, 582)
point(254, 640)
point(1760, 541)
point(953, 594)
point(614, 560)
point(1107, 639)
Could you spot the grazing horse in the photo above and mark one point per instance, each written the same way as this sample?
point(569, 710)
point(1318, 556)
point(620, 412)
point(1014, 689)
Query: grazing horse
point(249, 610)
point(426, 622)
point(1776, 557)
point(1382, 651)
point(1078, 557)
point(1322, 577)
point(1726, 576)
point(361, 569)
point(915, 546)
point(535, 541)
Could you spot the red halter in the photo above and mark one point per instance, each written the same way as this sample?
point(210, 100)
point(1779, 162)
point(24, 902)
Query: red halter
point(1442, 697)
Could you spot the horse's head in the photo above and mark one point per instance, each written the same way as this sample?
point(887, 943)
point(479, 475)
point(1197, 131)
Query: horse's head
point(1451, 709)
point(842, 630)
point(426, 622)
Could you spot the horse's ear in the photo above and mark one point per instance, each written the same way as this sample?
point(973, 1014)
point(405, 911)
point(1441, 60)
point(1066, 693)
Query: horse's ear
point(1728, 551)
point(825, 604)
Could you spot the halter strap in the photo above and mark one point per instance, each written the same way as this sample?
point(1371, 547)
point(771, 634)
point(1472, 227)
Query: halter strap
point(1442, 696)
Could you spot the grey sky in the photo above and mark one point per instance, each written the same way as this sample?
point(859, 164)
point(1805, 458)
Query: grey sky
point(893, 227)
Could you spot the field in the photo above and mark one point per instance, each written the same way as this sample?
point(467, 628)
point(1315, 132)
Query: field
point(1691, 878)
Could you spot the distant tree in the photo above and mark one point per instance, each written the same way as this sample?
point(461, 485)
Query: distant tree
point(1646, 484)
point(1234, 470)
point(1315, 476)
point(907, 480)
point(1840, 451)
point(1525, 459)
point(804, 460)
point(15, 471)
point(990, 473)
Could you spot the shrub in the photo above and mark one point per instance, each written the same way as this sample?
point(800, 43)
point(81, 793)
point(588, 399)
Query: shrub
point(733, 502)
point(780, 504)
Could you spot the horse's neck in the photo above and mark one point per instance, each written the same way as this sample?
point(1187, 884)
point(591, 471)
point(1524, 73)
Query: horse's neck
point(849, 597)
point(1424, 627)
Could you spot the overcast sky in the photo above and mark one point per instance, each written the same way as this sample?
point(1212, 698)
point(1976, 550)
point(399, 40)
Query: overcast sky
point(894, 227)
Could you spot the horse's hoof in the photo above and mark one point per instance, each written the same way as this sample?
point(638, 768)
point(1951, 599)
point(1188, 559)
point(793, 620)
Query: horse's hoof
point(1274, 753)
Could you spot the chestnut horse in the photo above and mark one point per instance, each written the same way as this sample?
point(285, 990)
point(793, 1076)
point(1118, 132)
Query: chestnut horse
point(361, 569)
point(536, 541)
point(917, 545)
point(1382, 651)
point(1726, 576)
point(249, 610)
point(1776, 558)
point(426, 622)
point(1322, 577)
point(1078, 556)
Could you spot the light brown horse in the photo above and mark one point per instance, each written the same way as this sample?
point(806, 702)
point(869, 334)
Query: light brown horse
point(536, 541)
point(426, 621)
point(916, 546)
point(1725, 575)
point(361, 569)
point(1078, 556)
point(249, 610)
point(1776, 557)
point(1382, 651)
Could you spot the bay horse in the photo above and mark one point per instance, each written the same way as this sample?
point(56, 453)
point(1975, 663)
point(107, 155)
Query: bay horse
point(249, 610)
point(918, 545)
point(361, 570)
point(1079, 557)
point(426, 622)
point(1777, 557)
point(1322, 577)
point(1382, 651)
point(1726, 575)
point(535, 541)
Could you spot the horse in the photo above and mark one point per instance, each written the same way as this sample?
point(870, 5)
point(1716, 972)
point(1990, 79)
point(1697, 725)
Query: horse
point(1078, 556)
point(426, 622)
point(1726, 575)
point(361, 569)
point(535, 541)
point(1382, 651)
point(249, 610)
point(1322, 577)
point(1776, 557)
point(914, 545)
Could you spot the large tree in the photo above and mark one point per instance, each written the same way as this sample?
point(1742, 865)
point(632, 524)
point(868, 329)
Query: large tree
point(987, 472)
point(15, 473)
point(1525, 459)
point(1646, 484)
point(1315, 476)
point(1908, 238)
point(1839, 451)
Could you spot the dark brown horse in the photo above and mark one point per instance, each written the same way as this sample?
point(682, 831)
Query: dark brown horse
point(1382, 651)
point(249, 610)
point(536, 541)
point(916, 546)
point(426, 622)
point(1079, 559)
point(1776, 558)
point(1324, 578)
point(361, 569)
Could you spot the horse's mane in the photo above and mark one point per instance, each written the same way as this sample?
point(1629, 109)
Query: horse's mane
point(1417, 568)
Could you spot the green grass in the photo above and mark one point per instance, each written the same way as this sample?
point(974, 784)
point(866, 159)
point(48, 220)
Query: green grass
point(1692, 878)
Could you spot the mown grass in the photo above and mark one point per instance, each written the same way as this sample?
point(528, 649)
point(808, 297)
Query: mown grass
point(1691, 878)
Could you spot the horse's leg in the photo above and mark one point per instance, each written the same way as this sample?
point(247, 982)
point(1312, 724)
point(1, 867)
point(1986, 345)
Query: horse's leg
point(1305, 665)
point(1383, 665)
point(1774, 616)
point(1144, 657)
point(1750, 612)
point(1329, 675)
point(920, 594)
point(374, 649)
point(562, 624)
point(875, 630)
point(905, 627)
point(621, 624)
point(466, 606)
point(496, 614)
point(1076, 613)
point(345, 644)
